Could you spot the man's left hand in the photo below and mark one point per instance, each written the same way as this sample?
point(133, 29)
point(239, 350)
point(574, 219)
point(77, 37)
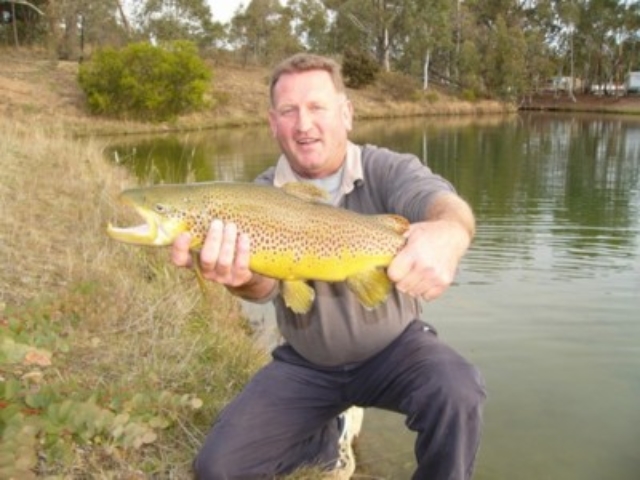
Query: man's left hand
point(426, 266)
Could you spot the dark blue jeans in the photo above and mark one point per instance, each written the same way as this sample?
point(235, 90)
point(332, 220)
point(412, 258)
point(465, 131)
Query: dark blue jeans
point(285, 417)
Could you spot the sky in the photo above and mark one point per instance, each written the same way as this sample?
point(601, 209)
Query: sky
point(223, 10)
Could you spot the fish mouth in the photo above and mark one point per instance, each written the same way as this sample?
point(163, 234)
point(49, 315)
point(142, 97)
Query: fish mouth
point(156, 230)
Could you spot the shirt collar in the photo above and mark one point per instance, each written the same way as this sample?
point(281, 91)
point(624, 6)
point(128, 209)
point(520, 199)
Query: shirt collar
point(351, 175)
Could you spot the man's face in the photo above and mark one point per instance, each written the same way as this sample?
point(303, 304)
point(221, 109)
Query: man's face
point(311, 121)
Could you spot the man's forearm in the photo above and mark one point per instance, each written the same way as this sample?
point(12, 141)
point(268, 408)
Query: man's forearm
point(259, 288)
point(450, 207)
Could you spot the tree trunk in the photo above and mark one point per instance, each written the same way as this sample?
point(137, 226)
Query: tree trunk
point(425, 78)
point(123, 17)
point(53, 35)
point(15, 24)
point(387, 63)
point(71, 47)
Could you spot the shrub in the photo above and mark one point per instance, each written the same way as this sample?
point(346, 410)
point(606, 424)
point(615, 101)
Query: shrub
point(469, 95)
point(358, 68)
point(398, 86)
point(145, 82)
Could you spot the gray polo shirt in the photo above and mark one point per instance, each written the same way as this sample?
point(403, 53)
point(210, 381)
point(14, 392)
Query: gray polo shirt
point(338, 330)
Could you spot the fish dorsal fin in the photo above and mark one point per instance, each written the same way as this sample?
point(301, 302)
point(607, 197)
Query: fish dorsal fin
point(297, 295)
point(370, 286)
point(306, 191)
point(396, 223)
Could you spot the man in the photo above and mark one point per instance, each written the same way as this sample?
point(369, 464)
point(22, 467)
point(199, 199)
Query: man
point(340, 354)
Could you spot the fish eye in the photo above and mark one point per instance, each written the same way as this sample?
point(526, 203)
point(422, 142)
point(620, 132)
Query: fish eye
point(160, 208)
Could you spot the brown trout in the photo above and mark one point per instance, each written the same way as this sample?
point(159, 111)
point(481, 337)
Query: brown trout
point(295, 236)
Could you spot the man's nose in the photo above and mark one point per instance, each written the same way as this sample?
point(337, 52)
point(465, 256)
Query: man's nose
point(304, 120)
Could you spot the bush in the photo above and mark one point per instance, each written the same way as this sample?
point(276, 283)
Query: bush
point(358, 68)
point(145, 82)
point(469, 95)
point(399, 87)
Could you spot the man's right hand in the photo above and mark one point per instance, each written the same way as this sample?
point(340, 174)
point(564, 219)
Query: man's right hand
point(224, 258)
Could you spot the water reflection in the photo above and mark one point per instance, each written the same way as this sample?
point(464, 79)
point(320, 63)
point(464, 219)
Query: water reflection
point(223, 155)
point(546, 301)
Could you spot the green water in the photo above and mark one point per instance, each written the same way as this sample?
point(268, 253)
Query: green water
point(546, 302)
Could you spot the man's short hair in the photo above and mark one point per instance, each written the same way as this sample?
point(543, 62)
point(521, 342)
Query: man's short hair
point(306, 62)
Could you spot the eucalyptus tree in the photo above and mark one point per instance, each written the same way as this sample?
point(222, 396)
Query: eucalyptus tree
point(425, 27)
point(511, 37)
point(600, 30)
point(262, 32)
point(631, 37)
point(375, 23)
point(74, 24)
point(168, 20)
point(504, 65)
point(312, 25)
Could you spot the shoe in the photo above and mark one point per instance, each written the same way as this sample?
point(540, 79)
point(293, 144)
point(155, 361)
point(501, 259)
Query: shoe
point(350, 424)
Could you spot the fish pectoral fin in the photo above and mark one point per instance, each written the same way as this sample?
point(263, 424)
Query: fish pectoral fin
point(370, 286)
point(298, 295)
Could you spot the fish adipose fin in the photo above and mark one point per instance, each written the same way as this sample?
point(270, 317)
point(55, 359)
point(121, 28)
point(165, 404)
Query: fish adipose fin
point(298, 295)
point(370, 286)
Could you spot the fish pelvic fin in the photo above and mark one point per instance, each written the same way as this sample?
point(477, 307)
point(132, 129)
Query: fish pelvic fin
point(370, 286)
point(298, 295)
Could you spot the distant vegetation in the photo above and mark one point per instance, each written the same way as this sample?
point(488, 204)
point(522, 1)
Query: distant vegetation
point(499, 48)
point(144, 82)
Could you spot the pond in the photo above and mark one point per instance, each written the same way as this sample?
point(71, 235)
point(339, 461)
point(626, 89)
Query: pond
point(546, 301)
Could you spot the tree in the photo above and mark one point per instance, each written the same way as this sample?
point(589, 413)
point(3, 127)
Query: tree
point(262, 33)
point(312, 25)
point(373, 24)
point(170, 20)
point(427, 30)
point(505, 66)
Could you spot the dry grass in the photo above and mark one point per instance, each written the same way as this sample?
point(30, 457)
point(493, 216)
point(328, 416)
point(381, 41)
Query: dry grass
point(131, 323)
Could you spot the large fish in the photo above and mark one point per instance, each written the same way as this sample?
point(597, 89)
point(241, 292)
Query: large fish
point(295, 236)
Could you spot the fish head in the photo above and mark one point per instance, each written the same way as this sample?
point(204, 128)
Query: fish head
point(164, 221)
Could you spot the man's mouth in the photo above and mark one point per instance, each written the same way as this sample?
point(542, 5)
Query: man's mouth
point(307, 142)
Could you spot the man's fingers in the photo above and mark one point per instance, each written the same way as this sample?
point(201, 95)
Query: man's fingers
point(400, 267)
point(180, 255)
point(243, 248)
point(227, 252)
point(211, 246)
point(224, 256)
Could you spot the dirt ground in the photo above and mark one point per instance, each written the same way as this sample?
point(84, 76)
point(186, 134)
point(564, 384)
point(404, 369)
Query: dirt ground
point(584, 102)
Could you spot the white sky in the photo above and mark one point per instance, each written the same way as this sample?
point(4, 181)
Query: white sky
point(223, 10)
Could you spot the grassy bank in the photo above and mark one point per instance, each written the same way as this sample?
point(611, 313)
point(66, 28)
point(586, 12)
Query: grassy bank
point(33, 85)
point(112, 362)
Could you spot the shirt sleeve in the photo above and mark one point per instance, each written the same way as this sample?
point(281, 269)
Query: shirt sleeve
point(407, 186)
